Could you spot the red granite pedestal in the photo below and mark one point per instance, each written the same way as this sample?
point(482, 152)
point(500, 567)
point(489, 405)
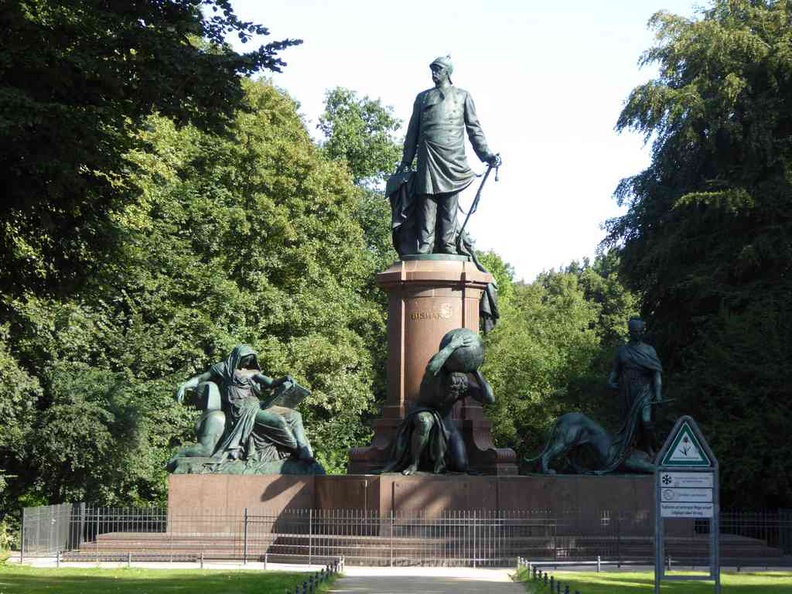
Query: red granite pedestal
point(427, 297)
point(586, 496)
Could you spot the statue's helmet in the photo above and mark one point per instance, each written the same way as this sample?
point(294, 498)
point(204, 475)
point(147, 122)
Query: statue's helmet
point(444, 62)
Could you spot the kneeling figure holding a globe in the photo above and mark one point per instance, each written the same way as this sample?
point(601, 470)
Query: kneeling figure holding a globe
point(428, 438)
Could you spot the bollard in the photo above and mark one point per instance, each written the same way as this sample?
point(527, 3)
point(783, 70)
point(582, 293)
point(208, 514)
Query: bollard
point(552, 583)
point(57, 559)
point(599, 563)
point(129, 559)
point(202, 559)
point(544, 578)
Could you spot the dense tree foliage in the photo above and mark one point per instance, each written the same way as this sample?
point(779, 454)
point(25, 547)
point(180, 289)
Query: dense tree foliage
point(359, 132)
point(76, 78)
point(707, 239)
point(552, 350)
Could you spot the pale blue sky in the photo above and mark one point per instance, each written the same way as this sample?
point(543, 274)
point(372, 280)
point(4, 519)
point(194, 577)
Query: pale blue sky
point(548, 79)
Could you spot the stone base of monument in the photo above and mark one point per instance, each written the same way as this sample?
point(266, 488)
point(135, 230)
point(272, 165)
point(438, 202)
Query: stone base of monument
point(592, 500)
point(397, 520)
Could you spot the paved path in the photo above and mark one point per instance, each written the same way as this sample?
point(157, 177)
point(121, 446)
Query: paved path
point(427, 580)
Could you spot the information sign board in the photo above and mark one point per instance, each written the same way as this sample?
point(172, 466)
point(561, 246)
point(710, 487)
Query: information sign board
point(688, 480)
point(686, 495)
point(686, 486)
point(686, 510)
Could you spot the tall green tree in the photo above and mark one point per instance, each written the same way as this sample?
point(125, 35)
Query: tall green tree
point(707, 239)
point(76, 80)
point(359, 132)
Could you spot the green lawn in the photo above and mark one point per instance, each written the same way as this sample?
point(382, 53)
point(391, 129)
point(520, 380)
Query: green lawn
point(30, 580)
point(767, 582)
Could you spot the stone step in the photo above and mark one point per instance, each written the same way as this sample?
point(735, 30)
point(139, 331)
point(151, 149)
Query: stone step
point(227, 546)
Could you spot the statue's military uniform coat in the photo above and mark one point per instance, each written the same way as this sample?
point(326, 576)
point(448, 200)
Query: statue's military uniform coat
point(436, 133)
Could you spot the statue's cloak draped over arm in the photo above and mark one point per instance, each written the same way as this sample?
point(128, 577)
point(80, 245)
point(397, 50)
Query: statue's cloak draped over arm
point(642, 355)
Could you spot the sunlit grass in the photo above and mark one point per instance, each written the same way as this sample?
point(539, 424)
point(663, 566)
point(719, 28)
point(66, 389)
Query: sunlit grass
point(31, 580)
point(766, 582)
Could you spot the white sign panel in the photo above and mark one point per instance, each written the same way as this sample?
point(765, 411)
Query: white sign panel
point(693, 480)
point(670, 509)
point(686, 495)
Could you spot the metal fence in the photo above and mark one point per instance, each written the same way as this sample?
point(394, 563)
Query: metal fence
point(49, 529)
point(771, 527)
point(462, 538)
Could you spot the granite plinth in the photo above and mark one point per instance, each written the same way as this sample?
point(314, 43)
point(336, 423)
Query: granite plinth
point(433, 495)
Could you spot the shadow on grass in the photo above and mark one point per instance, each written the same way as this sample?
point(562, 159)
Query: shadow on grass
point(30, 580)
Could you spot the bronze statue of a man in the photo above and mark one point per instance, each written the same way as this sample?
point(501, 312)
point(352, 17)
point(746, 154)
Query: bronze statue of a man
point(637, 375)
point(436, 136)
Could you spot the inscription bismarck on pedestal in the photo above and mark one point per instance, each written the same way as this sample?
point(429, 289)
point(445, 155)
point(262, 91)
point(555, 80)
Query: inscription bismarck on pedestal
point(427, 298)
point(445, 312)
